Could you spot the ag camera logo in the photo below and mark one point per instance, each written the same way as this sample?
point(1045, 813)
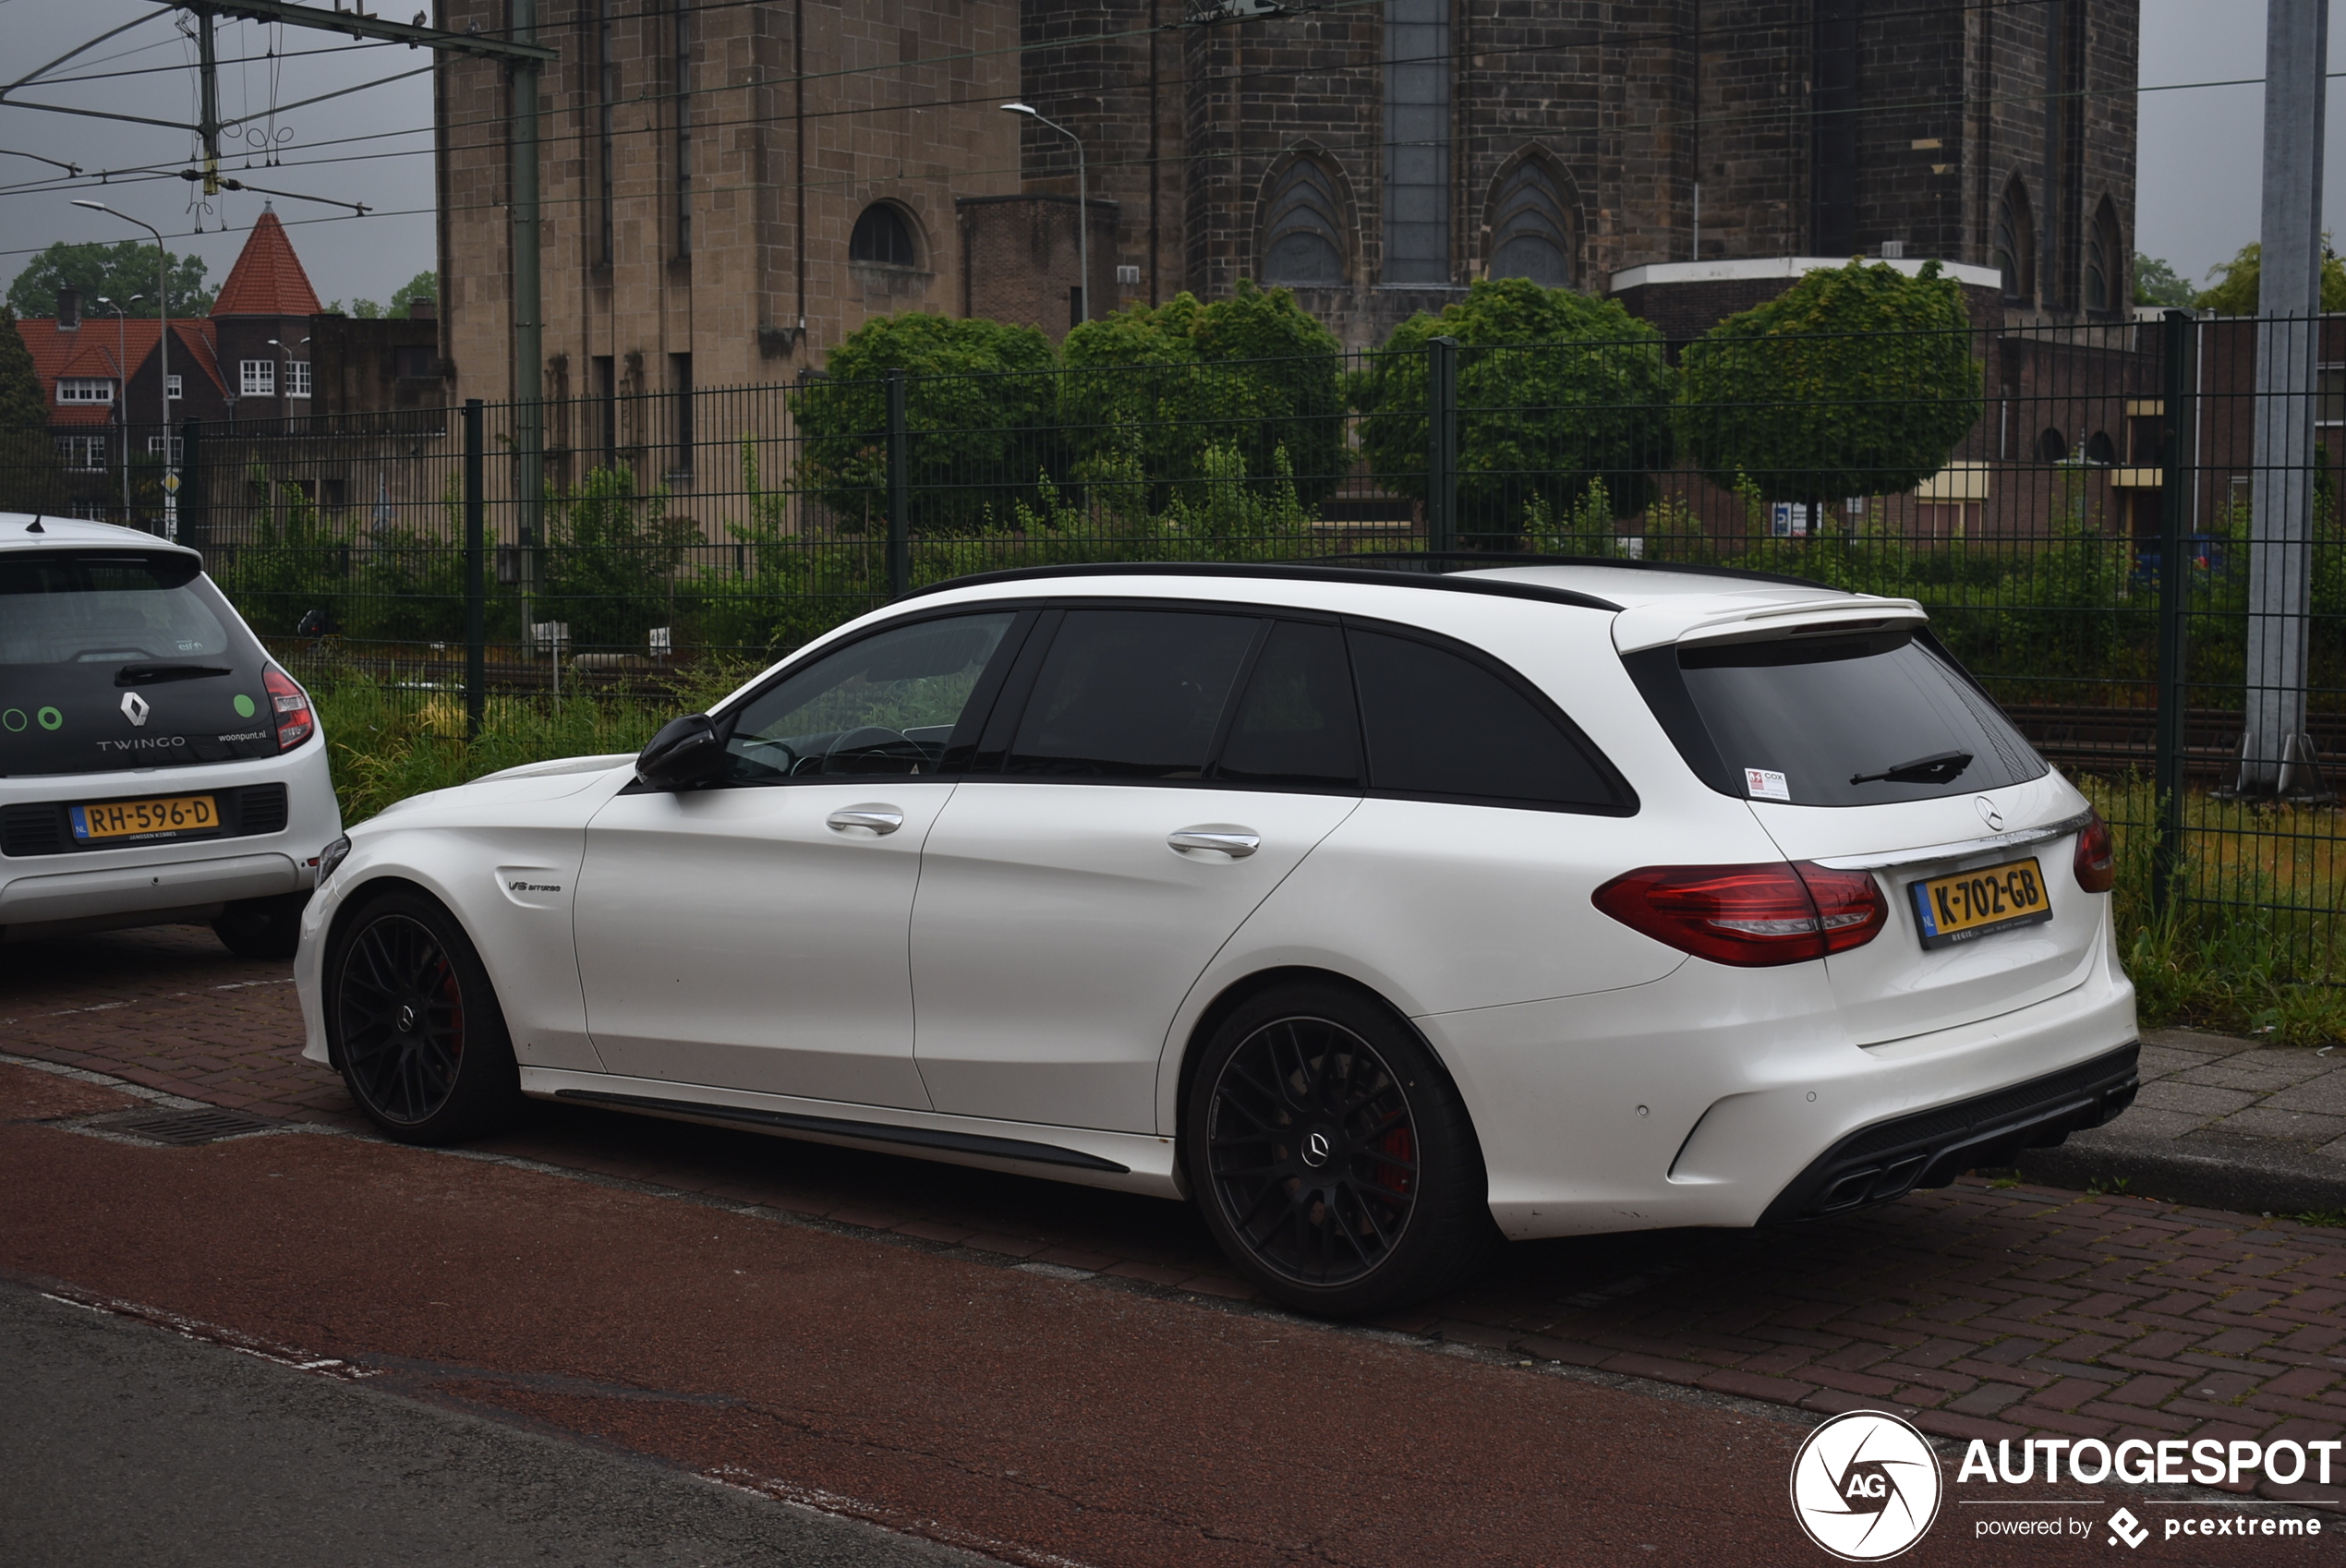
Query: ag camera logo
point(1866, 1486)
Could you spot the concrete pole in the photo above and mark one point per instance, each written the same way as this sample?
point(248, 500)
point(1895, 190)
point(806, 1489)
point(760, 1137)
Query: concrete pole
point(529, 349)
point(2289, 293)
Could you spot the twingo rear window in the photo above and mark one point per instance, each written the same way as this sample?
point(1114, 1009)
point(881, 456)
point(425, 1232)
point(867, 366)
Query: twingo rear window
point(1833, 720)
point(104, 608)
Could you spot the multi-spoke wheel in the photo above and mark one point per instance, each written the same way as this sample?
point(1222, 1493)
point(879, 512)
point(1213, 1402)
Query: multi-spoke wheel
point(414, 1024)
point(1332, 1158)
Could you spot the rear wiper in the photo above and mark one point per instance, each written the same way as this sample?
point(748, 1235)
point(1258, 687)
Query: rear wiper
point(1942, 768)
point(156, 673)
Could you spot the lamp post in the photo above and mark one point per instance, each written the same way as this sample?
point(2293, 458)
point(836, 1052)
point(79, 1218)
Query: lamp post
point(1083, 205)
point(162, 346)
point(284, 377)
point(122, 404)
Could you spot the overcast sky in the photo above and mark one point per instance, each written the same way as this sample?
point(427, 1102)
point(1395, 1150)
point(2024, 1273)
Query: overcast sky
point(2197, 192)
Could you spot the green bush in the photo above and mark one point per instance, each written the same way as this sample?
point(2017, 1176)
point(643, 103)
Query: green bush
point(609, 561)
point(1856, 382)
point(1558, 394)
point(981, 411)
point(1155, 390)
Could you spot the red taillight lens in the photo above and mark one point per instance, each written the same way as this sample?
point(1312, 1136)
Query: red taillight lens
point(1751, 916)
point(2097, 860)
point(294, 722)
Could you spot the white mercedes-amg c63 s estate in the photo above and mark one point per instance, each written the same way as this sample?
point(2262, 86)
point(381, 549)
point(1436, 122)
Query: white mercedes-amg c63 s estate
point(1381, 914)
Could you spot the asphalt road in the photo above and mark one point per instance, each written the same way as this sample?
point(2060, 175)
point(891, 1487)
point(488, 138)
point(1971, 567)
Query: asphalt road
point(126, 1444)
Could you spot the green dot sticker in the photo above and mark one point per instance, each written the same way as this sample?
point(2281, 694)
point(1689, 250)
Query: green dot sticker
point(51, 719)
point(14, 720)
point(244, 705)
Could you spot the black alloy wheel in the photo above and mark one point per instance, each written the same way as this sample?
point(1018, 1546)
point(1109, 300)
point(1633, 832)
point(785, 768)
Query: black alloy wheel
point(1332, 1157)
point(415, 1027)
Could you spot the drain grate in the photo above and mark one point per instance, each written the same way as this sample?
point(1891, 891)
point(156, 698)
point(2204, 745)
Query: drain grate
point(181, 1129)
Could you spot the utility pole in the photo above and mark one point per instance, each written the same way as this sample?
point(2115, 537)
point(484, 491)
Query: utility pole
point(2275, 753)
point(208, 112)
point(529, 351)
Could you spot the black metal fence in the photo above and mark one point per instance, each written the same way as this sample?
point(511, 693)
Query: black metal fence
point(2112, 525)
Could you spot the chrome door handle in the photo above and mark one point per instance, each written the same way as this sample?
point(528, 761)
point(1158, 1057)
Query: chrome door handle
point(1222, 837)
point(876, 820)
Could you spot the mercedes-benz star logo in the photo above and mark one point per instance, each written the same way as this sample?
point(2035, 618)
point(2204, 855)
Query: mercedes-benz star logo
point(1316, 1149)
point(407, 1018)
point(134, 707)
point(1990, 814)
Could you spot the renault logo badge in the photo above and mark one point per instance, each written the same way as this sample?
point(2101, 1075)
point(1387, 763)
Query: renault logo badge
point(134, 707)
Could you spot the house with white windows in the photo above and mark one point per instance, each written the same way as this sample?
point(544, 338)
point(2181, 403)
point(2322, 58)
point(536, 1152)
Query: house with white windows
point(267, 357)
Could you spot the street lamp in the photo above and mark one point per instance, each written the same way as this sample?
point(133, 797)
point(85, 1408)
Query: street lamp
point(1082, 203)
point(163, 346)
point(122, 404)
point(284, 380)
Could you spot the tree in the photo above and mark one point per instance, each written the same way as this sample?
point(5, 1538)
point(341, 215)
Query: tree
point(2231, 285)
point(31, 478)
point(979, 407)
point(423, 285)
point(1559, 393)
point(1162, 388)
point(113, 272)
point(2156, 283)
point(1857, 380)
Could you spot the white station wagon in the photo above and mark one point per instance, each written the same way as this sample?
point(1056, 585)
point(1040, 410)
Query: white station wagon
point(1381, 914)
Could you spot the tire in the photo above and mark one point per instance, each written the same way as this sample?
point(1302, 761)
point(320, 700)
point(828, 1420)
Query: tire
point(262, 928)
point(1390, 1208)
point(414, 1024)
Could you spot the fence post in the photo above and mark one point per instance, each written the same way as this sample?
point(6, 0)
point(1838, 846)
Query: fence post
point(899, 519)
point(2176, 477)
point(1441, 445)
point(183, 512)
point(476, 580)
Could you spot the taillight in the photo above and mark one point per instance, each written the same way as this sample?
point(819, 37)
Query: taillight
point(294, 722)
point(1781, 912)
point(2097, 859)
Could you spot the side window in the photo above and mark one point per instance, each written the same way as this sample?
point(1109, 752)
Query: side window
point(1297, 724)
point(1131, 693)
point(885, 703)
point(1441, 724)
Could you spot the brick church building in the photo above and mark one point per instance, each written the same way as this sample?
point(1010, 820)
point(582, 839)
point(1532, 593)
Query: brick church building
point(731, 189)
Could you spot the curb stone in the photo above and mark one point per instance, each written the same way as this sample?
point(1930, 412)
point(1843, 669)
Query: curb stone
point(2209, 1170)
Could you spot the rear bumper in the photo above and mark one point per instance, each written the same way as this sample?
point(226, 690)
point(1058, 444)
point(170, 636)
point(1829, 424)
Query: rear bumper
point(1931, 1148)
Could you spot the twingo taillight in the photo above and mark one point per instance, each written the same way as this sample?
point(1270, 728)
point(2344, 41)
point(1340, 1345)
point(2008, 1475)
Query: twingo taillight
point(1751, 916)
point(2097, 859)
point(296, 722)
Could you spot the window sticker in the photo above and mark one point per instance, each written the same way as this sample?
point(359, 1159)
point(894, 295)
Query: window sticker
point(1764, 785)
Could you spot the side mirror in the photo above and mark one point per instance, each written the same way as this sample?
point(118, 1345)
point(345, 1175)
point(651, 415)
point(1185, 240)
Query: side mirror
point(686, 753)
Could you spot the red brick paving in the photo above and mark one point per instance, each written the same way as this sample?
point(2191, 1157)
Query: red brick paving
point(1986, 1311)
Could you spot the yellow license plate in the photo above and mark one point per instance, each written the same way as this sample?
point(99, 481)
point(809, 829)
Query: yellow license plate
point(1972, 904)
point(167, 816)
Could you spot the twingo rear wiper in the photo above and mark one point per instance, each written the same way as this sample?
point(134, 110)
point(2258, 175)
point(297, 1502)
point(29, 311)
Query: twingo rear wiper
point(1942, 768)
point(154, 672)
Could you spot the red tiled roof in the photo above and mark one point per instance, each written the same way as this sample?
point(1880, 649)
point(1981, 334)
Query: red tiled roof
point(91, 352)
point(267, 279)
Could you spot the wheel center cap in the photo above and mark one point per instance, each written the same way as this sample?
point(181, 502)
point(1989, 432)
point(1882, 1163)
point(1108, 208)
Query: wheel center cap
point(406, 1018)
point(1317, 1147)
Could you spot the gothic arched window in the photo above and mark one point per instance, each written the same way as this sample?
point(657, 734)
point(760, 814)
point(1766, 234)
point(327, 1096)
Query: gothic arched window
point(2015, 250)
point(1303, 228)
point(884, 235)
point(1531, 226)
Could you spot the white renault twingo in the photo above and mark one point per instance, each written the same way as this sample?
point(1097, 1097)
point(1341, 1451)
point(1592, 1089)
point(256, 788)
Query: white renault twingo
point(156, 766)
point(1382, 915)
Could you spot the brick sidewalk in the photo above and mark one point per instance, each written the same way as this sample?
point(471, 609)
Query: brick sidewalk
point(1984, 1310)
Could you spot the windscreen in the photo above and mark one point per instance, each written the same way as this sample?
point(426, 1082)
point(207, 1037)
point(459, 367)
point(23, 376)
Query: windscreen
point(1834, 721)
point(112, 659)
